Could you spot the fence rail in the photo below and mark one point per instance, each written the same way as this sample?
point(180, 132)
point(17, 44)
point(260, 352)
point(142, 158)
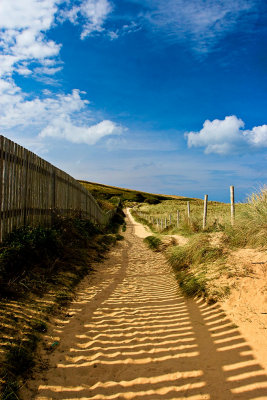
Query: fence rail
point(32, 191)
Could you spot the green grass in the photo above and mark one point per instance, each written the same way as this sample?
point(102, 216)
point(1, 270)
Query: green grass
point(198, 250)
point(250, 228)
point(111, 194)
point(153, 242)
point(192, 284)
point(195, 263)
point(218, 219)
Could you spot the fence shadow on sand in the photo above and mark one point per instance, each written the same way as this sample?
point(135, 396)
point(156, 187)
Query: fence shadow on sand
point(143, 341)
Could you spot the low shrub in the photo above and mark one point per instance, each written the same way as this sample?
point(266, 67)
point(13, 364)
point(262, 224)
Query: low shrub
point(153, 242)
point(191, 284)
point(184, 260)
point(116, 221)
point(28, 246)
point(197, 251)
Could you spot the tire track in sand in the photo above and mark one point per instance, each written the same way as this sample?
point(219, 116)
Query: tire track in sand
point(133, 335)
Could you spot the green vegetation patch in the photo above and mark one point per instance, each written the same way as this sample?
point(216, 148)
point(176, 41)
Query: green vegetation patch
point(195, 263)
point(112, 194)
point(197, 251)
point(250, 228)
point(218, 216)
point(153, 242)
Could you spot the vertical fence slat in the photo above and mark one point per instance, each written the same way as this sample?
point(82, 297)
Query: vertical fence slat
point(31, 190)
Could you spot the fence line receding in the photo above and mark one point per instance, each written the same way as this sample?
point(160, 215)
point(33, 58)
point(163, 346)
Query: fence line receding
point(32, 190)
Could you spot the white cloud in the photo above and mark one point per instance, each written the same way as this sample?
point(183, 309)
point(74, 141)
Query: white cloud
point(201, 22)
point(60, 116)
point(26, 50)
point(22, 34)
point(257, 136)
point(92, 15)
point(20, 14)
point(23, 27)
point(63, 128)
point(225, 136)
point(16, 110)
point(113, 35)
point(47, 70)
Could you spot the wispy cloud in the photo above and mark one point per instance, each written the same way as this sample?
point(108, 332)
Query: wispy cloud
point(90, 14)
point(199, 23)
point(226, 136)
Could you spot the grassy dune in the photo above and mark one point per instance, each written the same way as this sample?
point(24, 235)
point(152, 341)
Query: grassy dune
point(203, 266)
point(217, 218)
point(111, 194)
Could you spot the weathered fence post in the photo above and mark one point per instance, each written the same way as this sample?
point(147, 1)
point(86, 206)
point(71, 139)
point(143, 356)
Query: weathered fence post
point(161, 223)
point(188, 209)
point(205, 211)
point(178, 218)
point(170, 219)
point(232, 197)
point(165, 222)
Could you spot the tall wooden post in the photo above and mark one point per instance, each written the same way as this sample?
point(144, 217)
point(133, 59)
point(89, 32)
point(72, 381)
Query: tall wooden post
point(165, 222)
point(170, 219)
point(205, 211)
point(188, 209)
point(232, 197)
point(178, 218)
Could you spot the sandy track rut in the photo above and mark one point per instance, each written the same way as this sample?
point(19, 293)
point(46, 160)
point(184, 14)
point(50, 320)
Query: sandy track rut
point(132, 335)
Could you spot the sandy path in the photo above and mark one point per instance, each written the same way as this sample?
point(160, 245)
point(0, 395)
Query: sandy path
point(133, 336)
point(143, 231)
point(140, 230)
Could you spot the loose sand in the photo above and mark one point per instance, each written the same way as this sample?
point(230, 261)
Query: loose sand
point(130, 334)
point(143, 231)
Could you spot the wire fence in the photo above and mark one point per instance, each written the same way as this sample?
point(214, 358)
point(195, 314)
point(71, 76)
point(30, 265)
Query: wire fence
point(191, 214)
point(33, 191)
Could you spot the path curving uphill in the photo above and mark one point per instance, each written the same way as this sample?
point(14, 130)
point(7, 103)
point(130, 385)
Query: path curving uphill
point(131, 334)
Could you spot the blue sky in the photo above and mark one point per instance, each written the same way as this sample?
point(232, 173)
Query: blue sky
point(165, 96)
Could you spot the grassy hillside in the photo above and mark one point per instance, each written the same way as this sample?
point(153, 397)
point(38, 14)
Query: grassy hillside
point(111, 194)
point(218, 215)
point(203, 264)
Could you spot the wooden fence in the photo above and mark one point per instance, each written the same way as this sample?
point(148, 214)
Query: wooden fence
point(32, 191)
